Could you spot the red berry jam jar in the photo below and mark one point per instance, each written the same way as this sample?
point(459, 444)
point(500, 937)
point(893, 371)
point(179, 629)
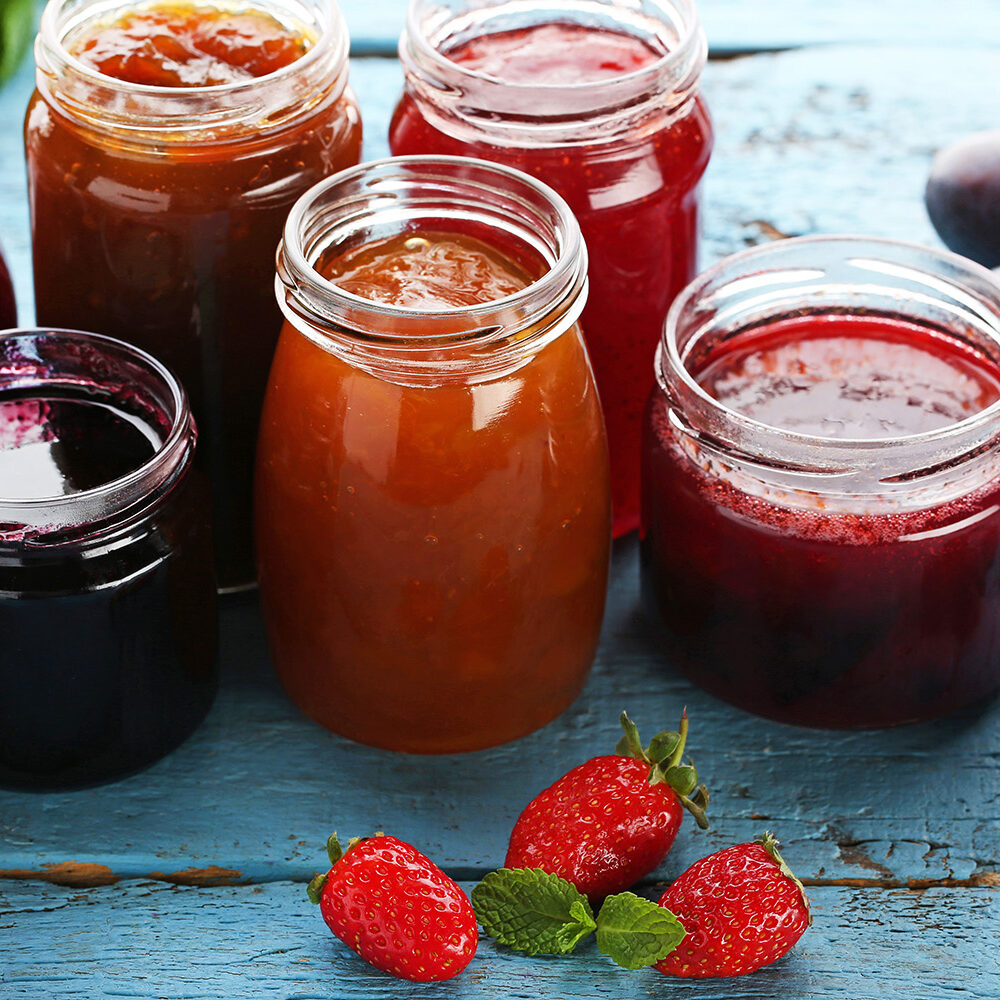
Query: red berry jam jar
point(8, 304)
point(601, 101)
point(107, 596)
point(821, 489)
point(166, 143)
point(433, 506)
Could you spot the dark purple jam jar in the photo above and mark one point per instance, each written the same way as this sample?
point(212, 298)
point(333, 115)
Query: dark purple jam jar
point(107, 593)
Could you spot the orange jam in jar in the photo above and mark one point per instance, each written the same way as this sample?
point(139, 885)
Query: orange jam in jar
point(433, 503)
point(166, 143)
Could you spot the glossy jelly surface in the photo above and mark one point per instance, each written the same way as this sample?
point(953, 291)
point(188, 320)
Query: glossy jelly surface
point(635, 196)
point(108, 654)
point(52, 446)
point(168, 243)
point(187, 45)
point(432, 558)
point(823, 617)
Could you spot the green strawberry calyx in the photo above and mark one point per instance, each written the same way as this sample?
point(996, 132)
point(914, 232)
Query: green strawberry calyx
point(536, 912)
point(665, 757)
point(770, 844)
point(334, 852)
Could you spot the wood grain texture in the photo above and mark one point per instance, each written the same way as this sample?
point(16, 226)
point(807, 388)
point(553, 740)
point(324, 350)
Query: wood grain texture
point(146, 941)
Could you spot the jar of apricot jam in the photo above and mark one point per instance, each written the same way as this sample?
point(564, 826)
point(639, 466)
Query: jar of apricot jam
point(601, 101)
point(433, 505)
point(107, 596)
point(821, 495)
point(166, 143)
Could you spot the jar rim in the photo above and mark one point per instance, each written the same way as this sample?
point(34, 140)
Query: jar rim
point(177, 106)
point(464, 91)
point(117, 494)
point(398, 325)
point(946, 273)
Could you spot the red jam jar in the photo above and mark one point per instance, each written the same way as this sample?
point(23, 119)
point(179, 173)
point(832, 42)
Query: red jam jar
point(601, 101)
point(107, 596)
point(166, 143)
point(821, 489)
point(8, 304)
point(433, 506)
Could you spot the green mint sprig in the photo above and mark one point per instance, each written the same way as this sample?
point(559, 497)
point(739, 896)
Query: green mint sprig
point(536, 912)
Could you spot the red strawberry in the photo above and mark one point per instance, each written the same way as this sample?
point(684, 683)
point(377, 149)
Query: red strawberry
point(612, 820)
point(396, 909)
point(742, 909)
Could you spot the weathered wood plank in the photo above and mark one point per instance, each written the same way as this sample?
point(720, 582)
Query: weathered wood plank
point(254, 794)
point(153, 941)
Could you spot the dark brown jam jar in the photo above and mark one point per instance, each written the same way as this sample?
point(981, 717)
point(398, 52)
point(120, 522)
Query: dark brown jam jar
point(107, 594)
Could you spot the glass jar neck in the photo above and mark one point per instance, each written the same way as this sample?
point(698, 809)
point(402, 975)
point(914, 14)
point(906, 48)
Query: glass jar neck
point(501, 206)
point(150, 115)
point(473, 105)
point(949, 296)
point(88, 366)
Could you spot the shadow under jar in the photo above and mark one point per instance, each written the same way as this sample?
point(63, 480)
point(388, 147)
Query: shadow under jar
point(821, 494)
point(599, 99)
point(107, 597)
point(164, 152)
point(433, 508)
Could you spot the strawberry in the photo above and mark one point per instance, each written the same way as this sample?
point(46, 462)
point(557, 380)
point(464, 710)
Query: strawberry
point(742, 909)
point(611, 820)
point(396, 909)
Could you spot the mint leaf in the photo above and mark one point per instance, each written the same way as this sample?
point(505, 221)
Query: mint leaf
point(17, 28)
point(635, 932)
point(532, 911)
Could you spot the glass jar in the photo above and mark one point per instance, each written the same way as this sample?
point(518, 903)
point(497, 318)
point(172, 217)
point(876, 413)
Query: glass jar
point(107, 597)
point(601, 101)
point(433, 508)
point(156, 212)
point(821, 498)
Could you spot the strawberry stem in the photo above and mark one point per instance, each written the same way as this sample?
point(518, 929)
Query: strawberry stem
point(315, 888)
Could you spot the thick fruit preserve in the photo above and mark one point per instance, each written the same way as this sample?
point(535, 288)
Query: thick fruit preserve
point(433, 514)
point(166, 144)
point(785, 587)
point(612, 120)
point(106, 588)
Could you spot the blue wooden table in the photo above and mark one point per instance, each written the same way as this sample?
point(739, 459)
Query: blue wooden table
point(189, 880)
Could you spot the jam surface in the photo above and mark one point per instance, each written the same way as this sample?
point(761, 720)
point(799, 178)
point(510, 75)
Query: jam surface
point(816, 617)
point(188, 45)
point(50, 446)
point(851, 377)
point(432, 558)
point(635, 196)
point(430, 271)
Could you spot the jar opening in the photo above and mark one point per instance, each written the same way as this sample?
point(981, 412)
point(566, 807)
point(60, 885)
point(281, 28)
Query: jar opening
point(121, 413)
point(931, 308)
point(521, 217)
point(150, 113)
point(537, 109)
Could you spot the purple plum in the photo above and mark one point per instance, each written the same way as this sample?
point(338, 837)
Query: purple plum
point(963, 197)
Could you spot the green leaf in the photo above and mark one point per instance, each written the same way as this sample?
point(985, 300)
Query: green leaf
point(683, 779)
point(532, 911)
point(661, 746)
point(315, 888)
point(17, 28)
point(629, 745)
point(635, 932)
